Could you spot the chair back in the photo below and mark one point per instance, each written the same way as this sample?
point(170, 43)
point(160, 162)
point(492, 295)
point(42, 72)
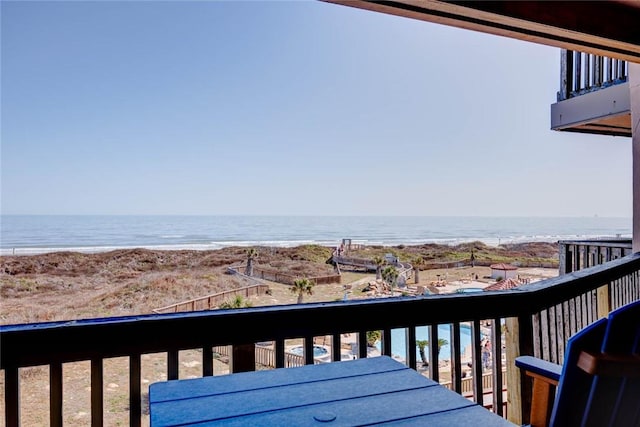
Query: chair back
point(611, 399)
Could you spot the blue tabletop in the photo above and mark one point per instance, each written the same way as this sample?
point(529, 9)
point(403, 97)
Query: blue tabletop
point(359, 392)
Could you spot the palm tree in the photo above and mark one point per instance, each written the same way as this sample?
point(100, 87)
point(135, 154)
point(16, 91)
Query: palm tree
point(416, 269)
point(301, 287)
point(441, 343)
point(390, 275)
point(422, 344)
point(379, 262)
point(373, 337)
point(252, 253)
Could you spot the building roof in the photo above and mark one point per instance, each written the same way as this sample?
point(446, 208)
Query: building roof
point(503, 285)
point(502, 266)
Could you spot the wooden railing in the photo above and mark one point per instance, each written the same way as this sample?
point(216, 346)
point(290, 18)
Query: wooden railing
point(57, 343)
point(466, 388)
point(583, 72)
point(578, 254)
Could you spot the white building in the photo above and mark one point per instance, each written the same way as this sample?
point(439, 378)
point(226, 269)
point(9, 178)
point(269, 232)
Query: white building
point(503, 271)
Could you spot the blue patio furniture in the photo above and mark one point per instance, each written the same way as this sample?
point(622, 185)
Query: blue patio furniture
point(599, 383)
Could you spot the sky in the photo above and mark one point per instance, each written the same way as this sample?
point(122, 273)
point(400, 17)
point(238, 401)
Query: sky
point(285, 108)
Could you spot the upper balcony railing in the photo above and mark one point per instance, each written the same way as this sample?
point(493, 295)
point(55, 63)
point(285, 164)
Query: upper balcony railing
point(581, 73)
point(535, 319)
point(576, 255)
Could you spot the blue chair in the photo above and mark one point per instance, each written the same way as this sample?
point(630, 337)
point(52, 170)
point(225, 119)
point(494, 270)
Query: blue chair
point(599, 382)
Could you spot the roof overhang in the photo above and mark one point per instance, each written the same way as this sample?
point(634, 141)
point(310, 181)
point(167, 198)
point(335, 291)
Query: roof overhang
point(608, 28)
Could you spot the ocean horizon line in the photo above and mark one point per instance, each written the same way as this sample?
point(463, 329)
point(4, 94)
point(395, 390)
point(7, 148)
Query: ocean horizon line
point(21, 250)
point(322, 216)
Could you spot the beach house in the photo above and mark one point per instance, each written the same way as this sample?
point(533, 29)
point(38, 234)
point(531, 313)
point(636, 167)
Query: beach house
point(600, 93)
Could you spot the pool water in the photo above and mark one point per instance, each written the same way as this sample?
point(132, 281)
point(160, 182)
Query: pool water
point(318, 351)
point(469, 290)
point(398, 340)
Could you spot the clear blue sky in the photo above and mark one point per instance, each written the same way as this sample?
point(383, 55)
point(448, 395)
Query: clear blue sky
point(285, 108)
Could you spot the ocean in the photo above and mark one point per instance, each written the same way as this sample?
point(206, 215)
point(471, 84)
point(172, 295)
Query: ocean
point(32, 234)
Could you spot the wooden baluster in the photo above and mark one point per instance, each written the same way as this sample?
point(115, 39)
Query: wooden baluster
point(207, 361)
point(55, 394)
point(279, 350)
point(172, 365)
point(243, 358)
point(456, 365)
point(496, 347)
point(308, 351)
point(12, 397)
point(573, 313)
point(386, 342)
point(411, 347)
point(562, 341)
point(566, 74)
point(135, 404)
point(545, 332)
point(476, 362)
point(97, 395)
point(537, 335)
point(336, 347)
point(587, 71)
point(434, 372)
point(362, 344)
point(578, 79)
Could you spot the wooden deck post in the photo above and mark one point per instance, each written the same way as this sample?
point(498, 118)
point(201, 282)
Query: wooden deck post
point(634, 97)
point(604, 301)
point(519, 342)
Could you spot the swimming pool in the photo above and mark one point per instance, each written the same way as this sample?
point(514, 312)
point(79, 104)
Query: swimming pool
point(399, 343)
point(469, 290)
point(318, 351)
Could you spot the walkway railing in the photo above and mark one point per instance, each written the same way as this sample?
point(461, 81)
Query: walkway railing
point(405, 270)
point(519, 310)
point(581, 73)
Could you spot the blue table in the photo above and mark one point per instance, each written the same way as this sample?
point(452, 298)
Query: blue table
point(363, 391)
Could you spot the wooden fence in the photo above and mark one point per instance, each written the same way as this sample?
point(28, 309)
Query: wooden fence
point(266, 356)
point(214, 300)
point(285, 278)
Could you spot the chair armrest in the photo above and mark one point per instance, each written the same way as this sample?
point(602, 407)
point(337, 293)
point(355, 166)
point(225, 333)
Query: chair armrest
point(540, 367)
point(610, 365)
point(546, 376)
